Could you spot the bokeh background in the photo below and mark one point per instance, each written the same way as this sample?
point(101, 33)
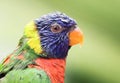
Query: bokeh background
point(98, 61)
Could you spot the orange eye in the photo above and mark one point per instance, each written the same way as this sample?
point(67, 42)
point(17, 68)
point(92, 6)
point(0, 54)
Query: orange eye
point(56, 28)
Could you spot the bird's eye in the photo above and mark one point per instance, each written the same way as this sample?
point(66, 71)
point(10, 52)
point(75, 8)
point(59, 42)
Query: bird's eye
point(56, 28)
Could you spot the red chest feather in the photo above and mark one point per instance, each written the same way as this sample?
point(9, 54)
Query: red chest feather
point(55, 68)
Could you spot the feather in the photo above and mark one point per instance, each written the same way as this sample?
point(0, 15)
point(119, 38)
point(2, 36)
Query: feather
point(40, 56)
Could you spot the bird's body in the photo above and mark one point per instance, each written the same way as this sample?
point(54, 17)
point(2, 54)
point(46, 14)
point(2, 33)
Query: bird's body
point(40, 56)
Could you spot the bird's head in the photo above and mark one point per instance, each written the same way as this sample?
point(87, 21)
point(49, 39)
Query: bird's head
point(53, 35)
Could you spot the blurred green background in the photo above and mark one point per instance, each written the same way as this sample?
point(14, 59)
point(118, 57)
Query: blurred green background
point(98, 61)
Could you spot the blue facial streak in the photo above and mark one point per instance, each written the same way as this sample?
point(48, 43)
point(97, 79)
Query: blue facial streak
point(55, 45)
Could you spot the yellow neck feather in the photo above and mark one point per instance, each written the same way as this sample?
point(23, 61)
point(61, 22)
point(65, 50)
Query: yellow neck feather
point(33, 37)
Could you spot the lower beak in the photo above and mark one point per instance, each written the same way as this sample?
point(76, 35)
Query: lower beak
point(76, 37)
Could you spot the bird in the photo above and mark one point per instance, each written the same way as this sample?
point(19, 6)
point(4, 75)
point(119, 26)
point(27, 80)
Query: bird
point(40, 56)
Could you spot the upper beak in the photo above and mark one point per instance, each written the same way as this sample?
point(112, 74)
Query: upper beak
point(76, 37)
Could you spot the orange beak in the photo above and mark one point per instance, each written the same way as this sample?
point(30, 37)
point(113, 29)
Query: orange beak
point(76, 37)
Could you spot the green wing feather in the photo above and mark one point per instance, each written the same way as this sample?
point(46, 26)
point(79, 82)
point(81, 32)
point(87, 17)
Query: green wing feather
point(16, 70)
point(26, 76)
point(14, 62)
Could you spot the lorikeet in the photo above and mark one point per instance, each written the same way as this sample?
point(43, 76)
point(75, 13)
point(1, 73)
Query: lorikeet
point(40, 56)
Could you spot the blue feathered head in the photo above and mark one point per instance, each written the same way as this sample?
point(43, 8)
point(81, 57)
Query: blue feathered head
point(54, 30)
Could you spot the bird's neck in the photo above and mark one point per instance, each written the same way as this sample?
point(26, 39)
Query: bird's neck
point(55, 68)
